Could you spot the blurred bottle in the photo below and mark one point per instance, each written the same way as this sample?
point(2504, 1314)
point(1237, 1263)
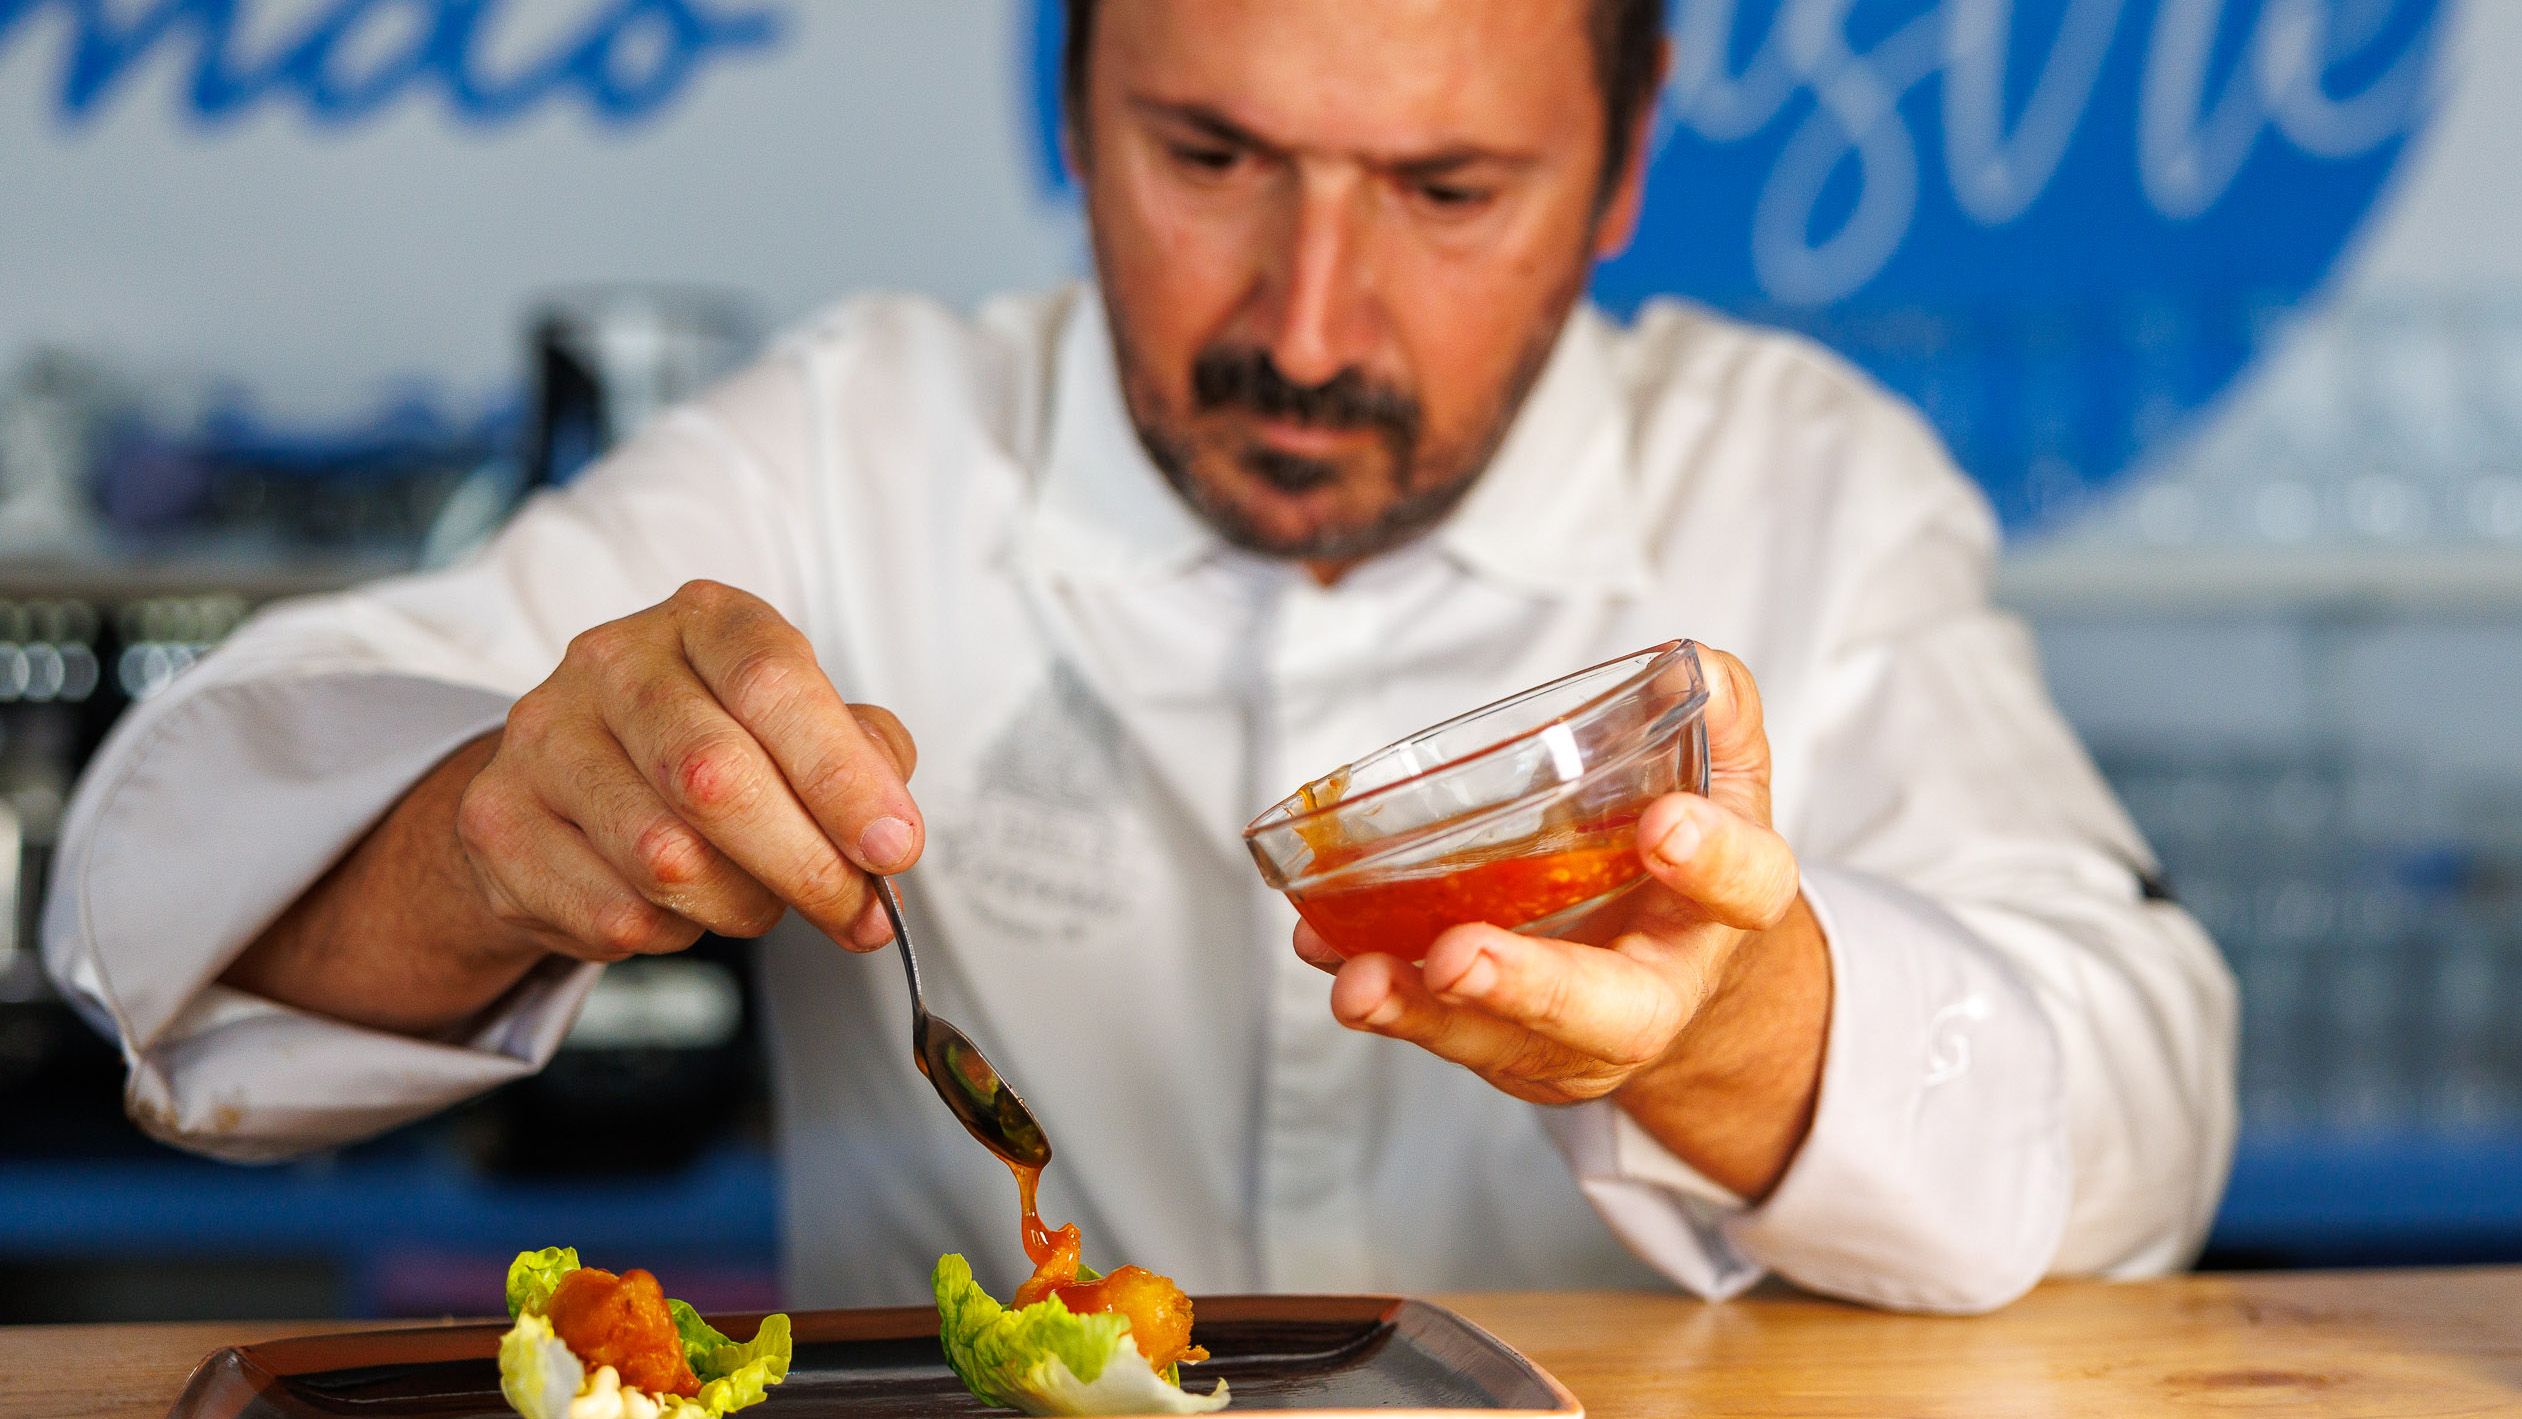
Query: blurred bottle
point(606, 360)
point(56, 414)
point(602, 361)
point(2491, 499)
point(50, 673)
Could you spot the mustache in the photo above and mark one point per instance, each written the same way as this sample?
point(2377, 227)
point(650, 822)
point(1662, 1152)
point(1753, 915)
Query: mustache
point(1226, 377)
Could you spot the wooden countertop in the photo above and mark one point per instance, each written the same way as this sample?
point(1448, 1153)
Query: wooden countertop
point(2342, 1343)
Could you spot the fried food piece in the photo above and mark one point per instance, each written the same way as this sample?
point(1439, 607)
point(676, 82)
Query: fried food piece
point(622, 1321)
point(1158, 1312)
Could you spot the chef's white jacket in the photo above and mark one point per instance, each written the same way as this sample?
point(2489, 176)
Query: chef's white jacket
point(2030, 1060)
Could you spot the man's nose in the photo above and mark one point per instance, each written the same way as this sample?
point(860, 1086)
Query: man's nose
point(1320, 303)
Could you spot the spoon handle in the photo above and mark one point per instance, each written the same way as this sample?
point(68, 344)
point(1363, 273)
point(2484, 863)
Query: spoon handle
point(901, 940)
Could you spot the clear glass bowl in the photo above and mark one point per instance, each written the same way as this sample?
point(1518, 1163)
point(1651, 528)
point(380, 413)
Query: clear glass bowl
point(1522, 813)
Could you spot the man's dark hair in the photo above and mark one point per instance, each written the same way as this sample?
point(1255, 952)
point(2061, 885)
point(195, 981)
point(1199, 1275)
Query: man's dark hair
point(1627, 34)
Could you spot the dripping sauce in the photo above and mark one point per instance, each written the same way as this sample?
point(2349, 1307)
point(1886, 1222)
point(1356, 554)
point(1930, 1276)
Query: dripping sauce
point(1158, 1312)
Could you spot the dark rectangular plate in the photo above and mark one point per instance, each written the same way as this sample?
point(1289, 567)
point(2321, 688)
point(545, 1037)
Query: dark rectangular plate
point(1319, 1355)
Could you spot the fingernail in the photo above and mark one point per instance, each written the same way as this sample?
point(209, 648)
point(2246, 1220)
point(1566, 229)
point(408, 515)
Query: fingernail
point(1384, 1013)
point(872, 934)
point(1476, 979)
point(1680, 842)
point(886, 843)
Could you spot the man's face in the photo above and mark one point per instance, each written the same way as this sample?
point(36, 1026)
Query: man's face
point(1337, 241)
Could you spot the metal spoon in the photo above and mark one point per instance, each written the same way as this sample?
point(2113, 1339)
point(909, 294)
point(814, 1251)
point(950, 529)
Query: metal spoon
point(982, 1101)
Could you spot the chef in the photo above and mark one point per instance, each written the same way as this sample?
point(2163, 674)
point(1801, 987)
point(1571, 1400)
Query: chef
point(1038, 606)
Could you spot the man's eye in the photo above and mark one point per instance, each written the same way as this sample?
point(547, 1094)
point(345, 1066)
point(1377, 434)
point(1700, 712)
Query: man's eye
point(1203, 159)
point(1453, 198)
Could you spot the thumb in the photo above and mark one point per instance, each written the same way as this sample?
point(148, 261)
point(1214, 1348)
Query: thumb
point(1738, 742)
point(1716, 863)
point(882, 726)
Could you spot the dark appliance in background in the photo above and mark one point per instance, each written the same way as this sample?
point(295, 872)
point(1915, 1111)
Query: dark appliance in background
point(606, 360)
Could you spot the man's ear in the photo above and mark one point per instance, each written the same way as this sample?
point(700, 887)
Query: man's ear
point(1619, 220)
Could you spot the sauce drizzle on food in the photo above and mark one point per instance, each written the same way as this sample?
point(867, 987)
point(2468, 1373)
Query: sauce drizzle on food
point(1158, 1313)
point(1053, 1254)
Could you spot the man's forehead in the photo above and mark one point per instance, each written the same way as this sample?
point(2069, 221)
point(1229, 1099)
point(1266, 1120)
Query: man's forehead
point(1393, 80)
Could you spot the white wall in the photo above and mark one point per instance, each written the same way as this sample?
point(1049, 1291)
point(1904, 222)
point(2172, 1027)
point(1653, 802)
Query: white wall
point(884, 144)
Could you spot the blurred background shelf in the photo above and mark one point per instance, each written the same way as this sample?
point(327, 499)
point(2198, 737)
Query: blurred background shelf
point(410, 1228)
point(2395, 1196)
point(409, 1194)
point(247, 568)
point(2090, 582)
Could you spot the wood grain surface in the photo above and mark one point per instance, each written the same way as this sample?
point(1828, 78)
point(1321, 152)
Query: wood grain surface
point(2349, 1343)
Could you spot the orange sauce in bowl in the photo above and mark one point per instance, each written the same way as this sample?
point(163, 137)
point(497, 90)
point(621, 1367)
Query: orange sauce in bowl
point(1403, 914)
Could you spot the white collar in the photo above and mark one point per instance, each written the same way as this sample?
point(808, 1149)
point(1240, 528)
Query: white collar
point(1555, 513)
point(1102, 511)
point(1550, 515)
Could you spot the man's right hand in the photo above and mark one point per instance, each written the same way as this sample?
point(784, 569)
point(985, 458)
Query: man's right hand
point(688, 768)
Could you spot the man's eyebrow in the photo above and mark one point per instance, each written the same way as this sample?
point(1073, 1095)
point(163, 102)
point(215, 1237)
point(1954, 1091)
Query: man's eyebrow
point(1208, 120)
point(1415, 166)
point(1450, 160)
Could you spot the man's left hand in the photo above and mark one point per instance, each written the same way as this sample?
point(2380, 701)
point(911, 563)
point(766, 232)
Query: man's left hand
point(1705, 1013)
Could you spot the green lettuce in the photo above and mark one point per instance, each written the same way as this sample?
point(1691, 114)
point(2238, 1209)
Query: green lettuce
point(535, 1275)
point(1046, 1359)
point(542, 1379)
point(732, 1375)
point(537, 1373)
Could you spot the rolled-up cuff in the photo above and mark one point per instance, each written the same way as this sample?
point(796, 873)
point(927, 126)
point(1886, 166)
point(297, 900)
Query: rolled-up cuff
point(1660, 1207)
point(199, 830)
point(239, 1077)
point(1937, 1175)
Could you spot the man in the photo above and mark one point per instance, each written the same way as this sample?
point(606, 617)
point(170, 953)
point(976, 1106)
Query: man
point(1332, 451)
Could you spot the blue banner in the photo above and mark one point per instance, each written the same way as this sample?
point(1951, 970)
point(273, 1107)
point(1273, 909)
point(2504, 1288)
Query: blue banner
point(2062, 227)
point(347, 60)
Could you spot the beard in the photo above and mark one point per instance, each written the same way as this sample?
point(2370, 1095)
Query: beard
point(1397, 487)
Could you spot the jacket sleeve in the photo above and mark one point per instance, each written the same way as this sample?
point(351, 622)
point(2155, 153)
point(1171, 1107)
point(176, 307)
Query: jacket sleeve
point(2029, 1064)
point(215, 804)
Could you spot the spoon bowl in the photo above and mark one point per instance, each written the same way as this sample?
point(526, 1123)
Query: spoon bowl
point(983, 1102)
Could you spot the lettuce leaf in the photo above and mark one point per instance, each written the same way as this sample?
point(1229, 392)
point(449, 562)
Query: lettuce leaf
point(732, 1375)
point(701, 1340)
point(534, 1275)
point(1046, 1359)
point(537, 1373)
point(699, 1336)
point(542, 1378)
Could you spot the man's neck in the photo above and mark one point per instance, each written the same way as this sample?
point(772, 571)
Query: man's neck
point(1327, 574)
